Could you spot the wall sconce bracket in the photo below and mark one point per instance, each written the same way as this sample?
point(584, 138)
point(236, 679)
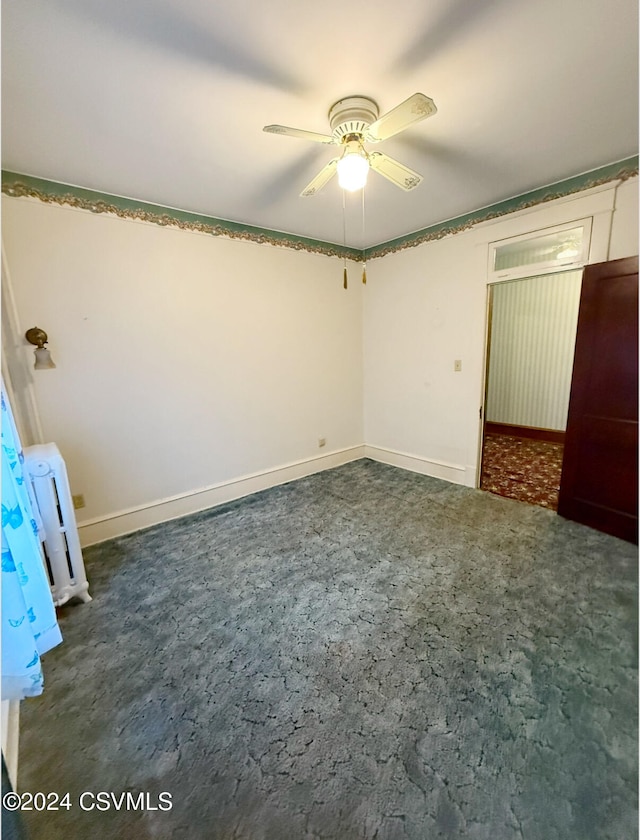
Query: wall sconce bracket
point(36, 336)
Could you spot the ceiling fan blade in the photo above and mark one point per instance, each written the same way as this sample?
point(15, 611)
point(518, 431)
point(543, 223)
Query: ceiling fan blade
point(415, 108)
point(323, 177)
point(397, 173)
point(299, 132)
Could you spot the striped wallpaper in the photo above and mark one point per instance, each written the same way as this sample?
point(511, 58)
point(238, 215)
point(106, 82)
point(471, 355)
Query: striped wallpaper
point(533, 328)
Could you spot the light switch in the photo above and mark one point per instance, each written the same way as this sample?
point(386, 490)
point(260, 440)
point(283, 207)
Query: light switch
point(457, 365)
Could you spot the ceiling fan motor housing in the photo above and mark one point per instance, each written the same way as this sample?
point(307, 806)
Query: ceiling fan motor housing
point(352, 115)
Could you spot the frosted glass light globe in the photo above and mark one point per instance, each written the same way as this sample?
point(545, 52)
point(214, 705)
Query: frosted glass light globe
point(352, 172)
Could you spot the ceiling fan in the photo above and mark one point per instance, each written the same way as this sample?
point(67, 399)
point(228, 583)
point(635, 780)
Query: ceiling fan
point(354, 121)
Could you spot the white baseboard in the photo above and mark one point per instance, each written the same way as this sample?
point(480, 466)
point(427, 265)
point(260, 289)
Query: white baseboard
point(133, 519)
point(455, 473)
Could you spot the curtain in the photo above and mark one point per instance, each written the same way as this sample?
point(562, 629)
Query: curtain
point(29, 625)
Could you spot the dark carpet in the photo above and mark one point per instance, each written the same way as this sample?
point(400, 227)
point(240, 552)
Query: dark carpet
point(365, 653)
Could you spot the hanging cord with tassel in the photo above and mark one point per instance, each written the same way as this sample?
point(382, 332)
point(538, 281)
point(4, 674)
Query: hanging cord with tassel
point(344, 237)
point(364, 258)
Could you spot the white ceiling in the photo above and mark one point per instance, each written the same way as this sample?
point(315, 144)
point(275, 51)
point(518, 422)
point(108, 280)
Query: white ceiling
point(165, 100)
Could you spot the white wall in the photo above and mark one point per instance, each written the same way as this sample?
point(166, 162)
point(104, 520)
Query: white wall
point(422, 311)
point(426, 306)
point(183, 361)
point(192, 369)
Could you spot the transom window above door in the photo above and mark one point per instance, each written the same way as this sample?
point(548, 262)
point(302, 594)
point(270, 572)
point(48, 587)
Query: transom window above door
point(554, 249)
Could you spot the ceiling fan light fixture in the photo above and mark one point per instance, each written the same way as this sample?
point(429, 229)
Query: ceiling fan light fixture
point(353, 169)
point(354, 121)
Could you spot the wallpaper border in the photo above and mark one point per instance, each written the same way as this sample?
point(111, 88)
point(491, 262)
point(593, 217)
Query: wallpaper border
point(18, 185)
point(619, 171)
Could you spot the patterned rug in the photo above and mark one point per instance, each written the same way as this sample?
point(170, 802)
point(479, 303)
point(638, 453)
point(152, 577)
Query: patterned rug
point(523, 469)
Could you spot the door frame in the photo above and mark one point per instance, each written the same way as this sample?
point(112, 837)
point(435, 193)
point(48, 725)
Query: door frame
point(598, 231)
point(489, 325)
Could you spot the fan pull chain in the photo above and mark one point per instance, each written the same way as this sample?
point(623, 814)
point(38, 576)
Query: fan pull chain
point(344, 239)
point(364, 258)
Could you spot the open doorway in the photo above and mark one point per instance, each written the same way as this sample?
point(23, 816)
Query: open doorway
point(532, 329)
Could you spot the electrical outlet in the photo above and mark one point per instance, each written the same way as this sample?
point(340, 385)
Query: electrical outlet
point(457, 365)
point(78, 501)
point(322, 441)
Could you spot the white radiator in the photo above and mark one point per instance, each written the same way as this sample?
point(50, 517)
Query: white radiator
point(61, 546)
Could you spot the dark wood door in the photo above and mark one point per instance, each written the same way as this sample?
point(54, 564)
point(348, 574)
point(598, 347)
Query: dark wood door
point(599, 485)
